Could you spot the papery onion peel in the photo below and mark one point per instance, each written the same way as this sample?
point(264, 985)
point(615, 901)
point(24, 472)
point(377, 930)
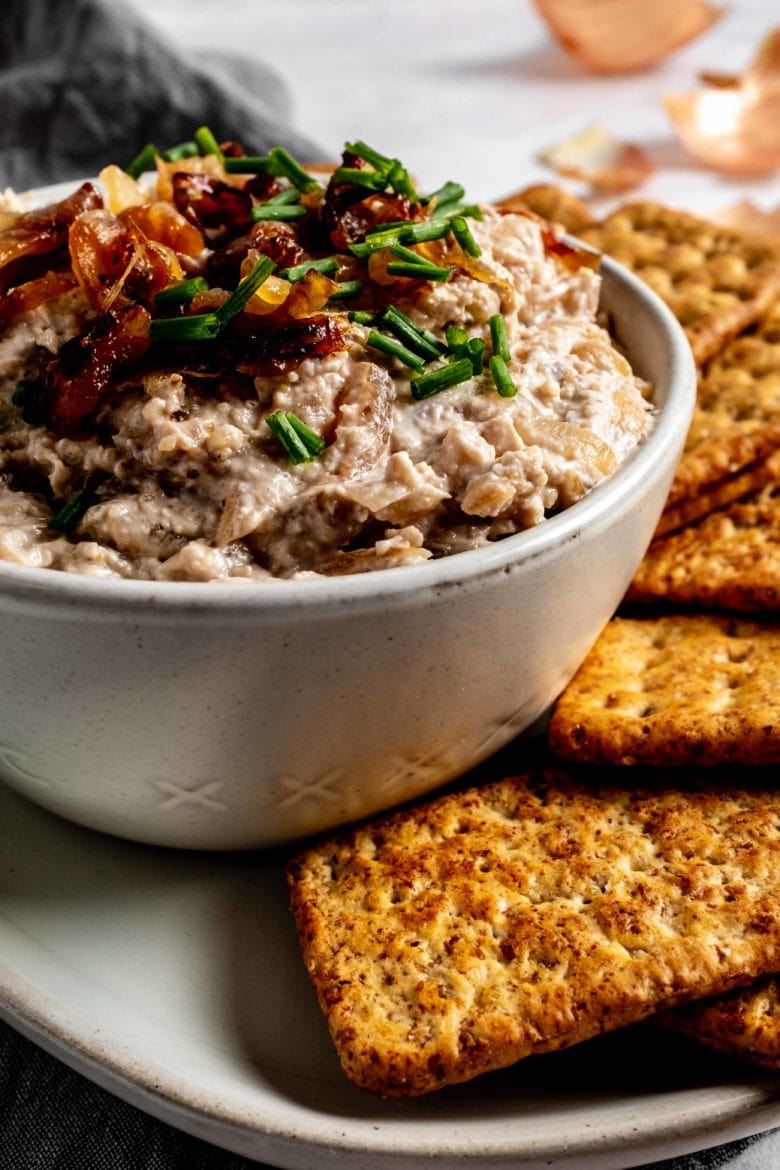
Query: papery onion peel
point(595, 156)
point(735, 127)
point(620, 36)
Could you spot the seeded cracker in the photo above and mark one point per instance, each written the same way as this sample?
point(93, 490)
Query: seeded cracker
point(737, 415)
point(531, 914)
point(674, 690)
point(744, 1023)
point(552, 203)
point(728, 490)
point(731, 560)
point(715, 280)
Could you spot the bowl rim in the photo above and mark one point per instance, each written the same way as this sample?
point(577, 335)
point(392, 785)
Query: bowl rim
point(387, 585)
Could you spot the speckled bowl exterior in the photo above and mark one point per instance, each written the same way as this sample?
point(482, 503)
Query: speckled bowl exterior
point(234, 715)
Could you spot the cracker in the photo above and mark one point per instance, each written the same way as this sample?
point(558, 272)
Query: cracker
point(731, 560)
point(552, 203)
point(737, 415)
point(674, 690)
point(720, 494)
point(528, 915)
point(716, 281)
point(745, 1023)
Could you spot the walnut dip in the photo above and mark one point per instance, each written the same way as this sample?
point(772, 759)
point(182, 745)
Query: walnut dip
point(236, 369)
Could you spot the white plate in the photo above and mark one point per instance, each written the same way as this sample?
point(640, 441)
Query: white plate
point(174, 980)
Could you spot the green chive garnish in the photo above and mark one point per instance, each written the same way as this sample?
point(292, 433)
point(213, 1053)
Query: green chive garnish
point(285, 164)
point(450, 192)
point(183, 150)
point(498, 337)
point(180, 294)
point(237, 300)
point(449, 210)
point(398, 178)
point(369, 155)
point(394, 348)
point(280, 211)
point(418, 271)
point(374, 180)
point(462, 233)
point(250, 164)
point(301, 444)
point(298, 271)
point(419, 233)
point(171, 330)
point(501, 377)
point(288, 196)
point(143, 161)
point(477, 349)
point(361, 317)
point(29, 397)
point(72, 511)
point(207, 143)
point(346, 290)
point(406, 331)
point(403, 233)
point(457, 341)
point(442, 379)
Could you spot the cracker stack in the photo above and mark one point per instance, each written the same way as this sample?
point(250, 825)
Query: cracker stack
point(526, 916)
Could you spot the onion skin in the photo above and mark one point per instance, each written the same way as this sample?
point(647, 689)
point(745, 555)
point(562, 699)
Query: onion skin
point(624, 36)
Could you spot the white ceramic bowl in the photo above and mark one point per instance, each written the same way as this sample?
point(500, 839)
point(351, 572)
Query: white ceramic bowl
point(226, 716)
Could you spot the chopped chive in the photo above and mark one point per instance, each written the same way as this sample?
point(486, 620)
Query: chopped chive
point(420, 233)
point(457, 341)
point(442, 379)
point(180, 294)
point(346, 290)
point(284, 198)
point(182, 150)
point(418, 271)
point(374, 180)
point(207, 143)
point(501, 377)
point(406, 331)
point(250, 164)
point(200, 327)
point(449, 210)
point(394, 348)
point(236, 302)
point(498, 337)
point(298, 271)
point(300, 443)
point(29, 397)
point(448, 193)
point(398, 178)
point(280, 211)
point(286, 165)
point(411, 257)
point(71, 512)
point(143, 161)
point(477, 349)
point(462, 233)
point(369, 155)
point(313, 443)
point(361, 317)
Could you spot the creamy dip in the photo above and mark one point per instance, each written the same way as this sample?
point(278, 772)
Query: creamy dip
point(187, 482)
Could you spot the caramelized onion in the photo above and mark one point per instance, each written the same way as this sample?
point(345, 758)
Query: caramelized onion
point(212, 204)
point(34, 293)
point(109, 256)
point(618, 36)
point(78, 378)
point(160, 222)
point(46, 229)
point(282, 349)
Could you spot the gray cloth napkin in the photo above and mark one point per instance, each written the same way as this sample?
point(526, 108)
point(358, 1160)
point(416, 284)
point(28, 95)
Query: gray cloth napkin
point(84, 83)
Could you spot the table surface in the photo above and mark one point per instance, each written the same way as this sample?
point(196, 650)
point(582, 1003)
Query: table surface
point(470, 90)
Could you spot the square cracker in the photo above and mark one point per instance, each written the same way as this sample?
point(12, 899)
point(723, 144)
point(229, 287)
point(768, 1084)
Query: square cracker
point(746, 482)
point(552, 203)
point(681, 689)
point(464, 934)
point(736, 419)
point(716, 281)
point(730, 560)
point(745, 1023)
